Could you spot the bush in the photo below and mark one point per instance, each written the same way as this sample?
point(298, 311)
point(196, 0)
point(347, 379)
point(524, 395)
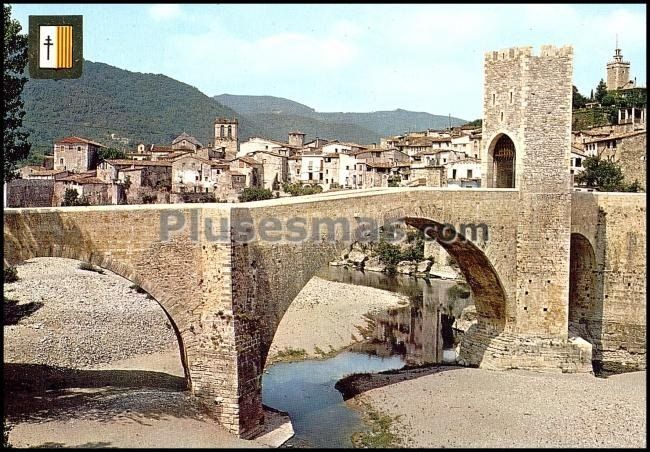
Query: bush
point(297, 189)
point(91, 268)
point(149, 199)
point(71, 198)
point(459, 290)
point(255, 194)
point(198, 197)
point(10, 274)
point(394, 181)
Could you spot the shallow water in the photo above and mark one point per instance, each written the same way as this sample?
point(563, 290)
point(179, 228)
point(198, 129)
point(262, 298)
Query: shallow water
point(305, 390)
point(411, 334)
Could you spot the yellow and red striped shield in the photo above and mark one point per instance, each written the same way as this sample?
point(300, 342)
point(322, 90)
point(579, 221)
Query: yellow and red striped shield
point(55, 43)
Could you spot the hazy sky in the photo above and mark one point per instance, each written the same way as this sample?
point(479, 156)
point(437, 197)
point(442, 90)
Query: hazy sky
point(351, 57)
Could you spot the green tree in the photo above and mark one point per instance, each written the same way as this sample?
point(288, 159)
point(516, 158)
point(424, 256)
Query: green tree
point(71, 198)
point(255, 194)
point(15, 144)
point(476, 123)
point(604, 174)
point(579, 101)
point(110, 153)
point(608, 100)
point(601, 91)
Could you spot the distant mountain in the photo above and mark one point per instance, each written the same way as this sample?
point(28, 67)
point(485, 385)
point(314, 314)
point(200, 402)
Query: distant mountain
point(278, 116)
point(278, 126)
point(247, 105)
point(106, 100)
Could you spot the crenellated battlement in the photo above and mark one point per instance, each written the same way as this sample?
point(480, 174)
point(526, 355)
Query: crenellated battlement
point(515, 53)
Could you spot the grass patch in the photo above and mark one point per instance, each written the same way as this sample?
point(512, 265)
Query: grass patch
point(459, 290)
point(10, 274)
point(90, 267)
point(379, 436)
point(291, 354)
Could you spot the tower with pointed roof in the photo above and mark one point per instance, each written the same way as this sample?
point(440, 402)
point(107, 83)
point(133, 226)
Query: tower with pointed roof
point(618, 72)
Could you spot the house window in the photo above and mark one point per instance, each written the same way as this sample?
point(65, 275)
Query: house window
point(510, 96)
point(206, 190)
point(494, 99)
point(578, 162)
point(61, 161)
point(197, 178)
point(453, 174)
point(347, 167)
point(469, 173)
point(79, 148)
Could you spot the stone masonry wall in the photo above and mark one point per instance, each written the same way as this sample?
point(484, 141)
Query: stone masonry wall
point(615, 226)
point(528, 98)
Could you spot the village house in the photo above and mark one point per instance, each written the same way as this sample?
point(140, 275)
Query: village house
point(465, 173)
point(627, 149)
point(336, 147)
point(426, 176)
point(256, 144)
point(186, 142)
point(192, 174)
point(391, 155)
point(275, 168)
point(312, 167)
point(87, 185)
point(246, 172)
point(578, 156)
point(76, 154)
point(371, 174)
point(41, 173)
point(293, 168)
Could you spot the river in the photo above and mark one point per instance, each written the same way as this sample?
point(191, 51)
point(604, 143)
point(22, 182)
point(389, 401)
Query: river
point(419, 333)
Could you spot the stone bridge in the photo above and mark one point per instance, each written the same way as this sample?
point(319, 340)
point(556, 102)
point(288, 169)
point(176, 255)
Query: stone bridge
point(226, 293)
point(551, 258)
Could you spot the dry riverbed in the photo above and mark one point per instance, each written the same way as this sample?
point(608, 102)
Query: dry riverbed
point(465, 407)
point(90, 362)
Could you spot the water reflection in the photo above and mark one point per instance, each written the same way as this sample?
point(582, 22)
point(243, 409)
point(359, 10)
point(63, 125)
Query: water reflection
point(419, 332)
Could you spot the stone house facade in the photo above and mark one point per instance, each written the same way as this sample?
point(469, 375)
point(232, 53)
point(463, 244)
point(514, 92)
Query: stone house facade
point(76, 154)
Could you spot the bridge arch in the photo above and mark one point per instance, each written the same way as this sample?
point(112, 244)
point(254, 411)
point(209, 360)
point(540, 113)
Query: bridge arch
point(122, 270)
point(501, 162)
point(585, 292)
point(483, 279)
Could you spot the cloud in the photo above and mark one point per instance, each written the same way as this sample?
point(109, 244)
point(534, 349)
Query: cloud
point(164, 11)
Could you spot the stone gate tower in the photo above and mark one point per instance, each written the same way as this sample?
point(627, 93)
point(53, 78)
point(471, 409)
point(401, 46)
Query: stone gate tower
point(527, 146)
point(226, 135)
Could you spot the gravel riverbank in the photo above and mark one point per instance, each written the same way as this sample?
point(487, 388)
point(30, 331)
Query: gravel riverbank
point(466, 407)
point(90, 362)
